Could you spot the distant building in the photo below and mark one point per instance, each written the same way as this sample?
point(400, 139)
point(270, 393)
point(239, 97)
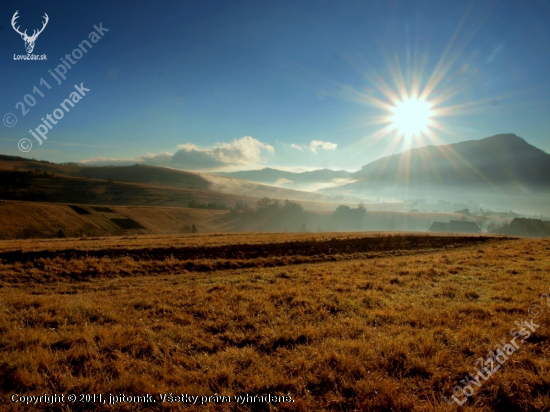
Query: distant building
point(438, 227)
point(528, 227)
point(455, 226)
point(507, 214)
point(464, 211)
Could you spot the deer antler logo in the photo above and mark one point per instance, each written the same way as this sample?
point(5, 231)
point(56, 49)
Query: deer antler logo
point(29, 40)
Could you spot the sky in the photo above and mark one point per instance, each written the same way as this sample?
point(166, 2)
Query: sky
point(239, 85)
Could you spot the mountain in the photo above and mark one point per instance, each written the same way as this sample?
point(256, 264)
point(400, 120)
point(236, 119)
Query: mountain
point(311, 180)
point(503, 160)
point(500, 165)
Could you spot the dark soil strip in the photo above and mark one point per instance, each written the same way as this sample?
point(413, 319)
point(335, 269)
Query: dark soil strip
point(255, 251)
point(127, 224)
point(103, 209)
point(80, 210)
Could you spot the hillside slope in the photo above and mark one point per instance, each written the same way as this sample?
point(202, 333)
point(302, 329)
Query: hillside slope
point(46, 220)
point(130, 185)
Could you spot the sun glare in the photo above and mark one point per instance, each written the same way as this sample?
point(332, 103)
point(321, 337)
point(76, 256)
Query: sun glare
point(411, 116)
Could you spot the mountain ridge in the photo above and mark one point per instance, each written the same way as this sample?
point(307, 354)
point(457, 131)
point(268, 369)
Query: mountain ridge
point(503, 160)
point(271, 175)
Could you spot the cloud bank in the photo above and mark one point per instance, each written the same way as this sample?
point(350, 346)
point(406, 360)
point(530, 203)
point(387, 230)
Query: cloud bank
point(243, 152)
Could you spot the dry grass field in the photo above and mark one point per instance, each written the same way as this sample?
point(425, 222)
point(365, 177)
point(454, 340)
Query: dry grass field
point(26, 220)
point(46, 220)
point(342, 322)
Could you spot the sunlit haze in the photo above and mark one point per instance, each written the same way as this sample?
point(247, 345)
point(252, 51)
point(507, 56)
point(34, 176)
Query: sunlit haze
point(411, 117)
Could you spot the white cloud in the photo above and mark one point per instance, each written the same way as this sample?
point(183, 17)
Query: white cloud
point(243, 152)
point(314, 145)
point(319, 144)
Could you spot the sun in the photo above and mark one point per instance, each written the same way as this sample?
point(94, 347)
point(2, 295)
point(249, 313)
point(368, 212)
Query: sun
point(411, 116)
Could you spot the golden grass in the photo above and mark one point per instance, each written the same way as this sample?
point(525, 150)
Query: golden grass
point(39, 220)
point(44, 220)
point(203, 239)
point(361, 333)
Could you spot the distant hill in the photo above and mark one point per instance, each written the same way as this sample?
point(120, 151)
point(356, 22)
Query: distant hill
point(145, 174)
point(503, 163)
point(41, 181)
point(300, 181)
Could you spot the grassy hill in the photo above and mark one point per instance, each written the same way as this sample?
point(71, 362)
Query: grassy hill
point(145, 174)
point(47, 220)
point(138, 185)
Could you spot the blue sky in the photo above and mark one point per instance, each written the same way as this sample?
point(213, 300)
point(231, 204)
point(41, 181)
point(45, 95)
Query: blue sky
point(218, 85)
